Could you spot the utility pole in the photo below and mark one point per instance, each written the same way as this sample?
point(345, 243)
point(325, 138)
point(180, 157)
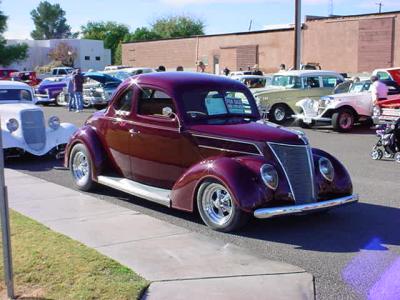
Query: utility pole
point(251, 24)
point(330, 12)
point(380, 6)
point(5, 228)
point(297, 36)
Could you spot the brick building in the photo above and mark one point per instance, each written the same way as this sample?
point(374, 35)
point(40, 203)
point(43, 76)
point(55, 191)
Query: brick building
point(358, 43)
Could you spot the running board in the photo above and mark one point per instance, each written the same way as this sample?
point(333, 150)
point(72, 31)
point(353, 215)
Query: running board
point(140, 190)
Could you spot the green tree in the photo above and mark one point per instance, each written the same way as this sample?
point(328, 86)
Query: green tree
point(111, 33)
point(10, 53)
point(50, 22)
point(141, 34)
point(177, 26)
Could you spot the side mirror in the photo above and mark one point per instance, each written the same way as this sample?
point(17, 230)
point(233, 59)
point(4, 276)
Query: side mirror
point(167, 112)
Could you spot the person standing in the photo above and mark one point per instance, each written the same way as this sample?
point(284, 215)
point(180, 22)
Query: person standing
point(78, 90)
point(70, 92)
point(379, 90)
point(226, 71)
point(257, 71)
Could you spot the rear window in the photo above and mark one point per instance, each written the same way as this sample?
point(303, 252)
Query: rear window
point(15, 95)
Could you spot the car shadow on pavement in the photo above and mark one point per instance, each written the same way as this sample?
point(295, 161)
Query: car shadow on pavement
point(33, 163)
point(346, 229)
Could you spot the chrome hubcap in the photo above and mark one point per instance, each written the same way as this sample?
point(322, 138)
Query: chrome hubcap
point(217, 204)
point(80, 168)
point(345, 121)
point(279, 114)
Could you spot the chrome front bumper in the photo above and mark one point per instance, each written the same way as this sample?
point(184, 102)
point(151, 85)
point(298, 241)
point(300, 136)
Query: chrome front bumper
point(265, 213)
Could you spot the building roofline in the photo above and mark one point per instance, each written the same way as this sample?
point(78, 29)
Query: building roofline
point(212, 35)
point(317, 18)
point(312, 19)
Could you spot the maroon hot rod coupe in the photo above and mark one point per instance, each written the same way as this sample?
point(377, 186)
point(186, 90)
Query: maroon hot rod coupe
point(191, 141)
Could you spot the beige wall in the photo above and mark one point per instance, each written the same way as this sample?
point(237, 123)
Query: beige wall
point(346, 44)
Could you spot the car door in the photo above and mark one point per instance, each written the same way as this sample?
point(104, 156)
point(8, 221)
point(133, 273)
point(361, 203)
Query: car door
point(161, 152)
point(313, 87)
point(119, 131)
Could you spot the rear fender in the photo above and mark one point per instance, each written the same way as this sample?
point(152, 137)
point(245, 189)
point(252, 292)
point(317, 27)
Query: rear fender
point(240, 175)
point(87, 135)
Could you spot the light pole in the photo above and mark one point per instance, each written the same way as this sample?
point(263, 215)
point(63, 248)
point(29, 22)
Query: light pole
point(5, 228)
point(297, 35)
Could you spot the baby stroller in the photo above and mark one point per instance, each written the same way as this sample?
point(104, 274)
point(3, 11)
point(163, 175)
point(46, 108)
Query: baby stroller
point(388, 144)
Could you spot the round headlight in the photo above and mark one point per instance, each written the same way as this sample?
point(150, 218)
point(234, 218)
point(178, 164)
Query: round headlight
point(54, 122)
point(269, 176)
point(326, 168)
point(12, 125)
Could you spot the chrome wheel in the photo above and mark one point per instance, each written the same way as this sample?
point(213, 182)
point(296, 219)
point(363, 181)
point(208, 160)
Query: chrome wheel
point(217, 204)
point(279, 113)
point(397, 157)
point(80, 168)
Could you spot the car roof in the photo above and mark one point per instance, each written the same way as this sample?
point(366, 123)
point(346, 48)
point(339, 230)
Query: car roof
point(8, 84)
point(182, 81)
point(307, 73)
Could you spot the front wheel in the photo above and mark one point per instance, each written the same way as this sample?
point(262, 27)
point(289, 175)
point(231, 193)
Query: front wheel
point(278, 114)
point(218, 209)
point(376, 154)
point(343, 120)
point(80, 165)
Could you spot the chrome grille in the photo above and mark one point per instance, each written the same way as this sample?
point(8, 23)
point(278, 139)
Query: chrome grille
point(33, 128)
point(296, 162)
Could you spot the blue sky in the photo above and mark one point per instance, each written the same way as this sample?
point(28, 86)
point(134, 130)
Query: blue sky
point(220, 16)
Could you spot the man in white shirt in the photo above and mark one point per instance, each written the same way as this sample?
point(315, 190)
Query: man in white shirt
point(378, 89)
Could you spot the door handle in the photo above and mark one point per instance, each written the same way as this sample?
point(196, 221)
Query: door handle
point(132, 132)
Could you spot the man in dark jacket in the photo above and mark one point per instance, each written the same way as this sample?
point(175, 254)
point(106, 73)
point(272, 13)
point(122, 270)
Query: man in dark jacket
point(78, 90)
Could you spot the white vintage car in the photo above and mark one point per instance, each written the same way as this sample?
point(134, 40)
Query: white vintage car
point(23, 125)
point(343, 110)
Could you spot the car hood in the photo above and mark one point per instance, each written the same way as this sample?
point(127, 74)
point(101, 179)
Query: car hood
point(102, 78)
point(253, 131)
point(347, 95)
point(12, 109)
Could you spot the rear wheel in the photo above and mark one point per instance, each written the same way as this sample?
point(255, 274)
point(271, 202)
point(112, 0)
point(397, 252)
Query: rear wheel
point(343, 120)
point(278, 114)
point(218, 209)
point(80, 165)
point(397, 157)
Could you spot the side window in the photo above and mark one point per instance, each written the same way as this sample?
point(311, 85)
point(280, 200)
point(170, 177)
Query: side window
point(151, 102)
point(124, 103)
point(329, 81)
point(55, 72)
point(312, 82)
point(383, 76)
point(62, 72)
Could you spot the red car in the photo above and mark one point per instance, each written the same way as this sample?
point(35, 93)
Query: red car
point(195, 142)
point(5, 73)
point(28, 77)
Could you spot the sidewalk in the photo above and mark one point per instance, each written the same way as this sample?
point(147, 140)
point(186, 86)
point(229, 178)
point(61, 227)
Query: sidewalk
point(181, 264)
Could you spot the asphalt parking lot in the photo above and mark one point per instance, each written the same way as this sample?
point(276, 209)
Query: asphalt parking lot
point(348, 250)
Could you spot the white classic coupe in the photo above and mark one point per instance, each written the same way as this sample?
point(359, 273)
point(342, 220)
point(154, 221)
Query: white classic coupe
point(23, 124)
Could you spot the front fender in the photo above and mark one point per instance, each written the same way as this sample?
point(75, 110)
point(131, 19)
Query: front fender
point(87, 135)
point(241, 176)
point(341, 184)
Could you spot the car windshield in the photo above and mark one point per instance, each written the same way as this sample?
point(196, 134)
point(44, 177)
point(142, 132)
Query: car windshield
point(15, 95)
point(286, 81)
point(359, 87)
point(212, 105)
